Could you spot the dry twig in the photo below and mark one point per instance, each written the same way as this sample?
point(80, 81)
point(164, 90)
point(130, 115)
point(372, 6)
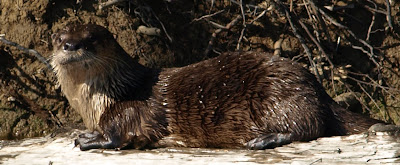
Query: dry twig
point(243, 23)
point(372, 21)
point(109, 3)
point(245, 27)
point(216, 32)
point(322, 51)
point(303, 44)
point(316, 43)
point(321, 21)
point(207, 16)
point(373, 84)
point(388, 14)
point(26, 50)
point(359, 99)
point(162, 25)
point(370, 53)
point(369, 96)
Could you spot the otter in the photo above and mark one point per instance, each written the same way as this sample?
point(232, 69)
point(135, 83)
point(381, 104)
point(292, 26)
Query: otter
point(236, 100)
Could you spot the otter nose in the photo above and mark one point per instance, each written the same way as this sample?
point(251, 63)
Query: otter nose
point(72, 46)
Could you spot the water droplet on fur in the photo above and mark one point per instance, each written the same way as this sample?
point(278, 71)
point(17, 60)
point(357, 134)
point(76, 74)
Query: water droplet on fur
point(224, 84)
point(298, 88)
point(219, 61)
point(202, 96)
point(164, 103)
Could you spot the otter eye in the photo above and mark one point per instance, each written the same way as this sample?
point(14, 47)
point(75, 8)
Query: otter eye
point(91, 38)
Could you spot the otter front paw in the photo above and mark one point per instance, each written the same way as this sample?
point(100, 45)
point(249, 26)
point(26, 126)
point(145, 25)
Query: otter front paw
point(94, 140)
point(271, 140)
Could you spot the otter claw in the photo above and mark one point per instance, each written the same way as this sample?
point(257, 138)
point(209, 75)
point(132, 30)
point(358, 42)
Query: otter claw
point(94, 140)
point(92, 135)
point(76, 143)
point(269, 141)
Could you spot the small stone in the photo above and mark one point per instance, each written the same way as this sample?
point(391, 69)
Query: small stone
point(11, 99)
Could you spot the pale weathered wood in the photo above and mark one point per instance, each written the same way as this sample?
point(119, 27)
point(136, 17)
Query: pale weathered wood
point(355, 149)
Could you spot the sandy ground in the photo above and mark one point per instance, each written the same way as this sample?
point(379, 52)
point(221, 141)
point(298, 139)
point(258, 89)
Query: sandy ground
point(379, 148)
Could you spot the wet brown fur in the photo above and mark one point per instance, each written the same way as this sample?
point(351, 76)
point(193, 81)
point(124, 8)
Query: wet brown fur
point(223, 102)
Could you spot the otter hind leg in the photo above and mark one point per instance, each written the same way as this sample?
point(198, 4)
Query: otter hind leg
point(95, 140)
point(270, 140)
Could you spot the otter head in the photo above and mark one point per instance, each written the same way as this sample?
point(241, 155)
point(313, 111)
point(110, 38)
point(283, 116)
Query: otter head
point(85, 52)
point(81, 45)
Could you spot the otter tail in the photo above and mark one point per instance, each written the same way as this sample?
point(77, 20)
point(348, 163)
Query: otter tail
point(346, 122)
